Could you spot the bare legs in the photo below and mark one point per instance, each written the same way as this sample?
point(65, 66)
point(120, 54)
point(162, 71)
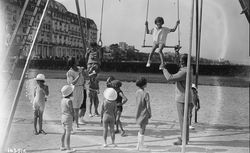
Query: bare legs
point(119, 123)
point(141, 136)
point(76, 113)
point(38, 116)
point(66, 134)
point(109, 124)
point(155, 46)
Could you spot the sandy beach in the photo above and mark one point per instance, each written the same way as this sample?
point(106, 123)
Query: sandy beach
point(223, 121)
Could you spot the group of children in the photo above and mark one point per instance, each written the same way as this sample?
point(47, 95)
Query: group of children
point(112, 106)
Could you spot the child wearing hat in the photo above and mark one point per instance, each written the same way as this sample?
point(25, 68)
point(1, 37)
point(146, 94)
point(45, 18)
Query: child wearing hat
point(195, 103)
point(143, 113)
point(108, 112)
point(67, 116)
point(40, 93)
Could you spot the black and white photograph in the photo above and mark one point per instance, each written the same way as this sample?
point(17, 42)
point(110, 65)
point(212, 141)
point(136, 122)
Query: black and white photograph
point(124, 76)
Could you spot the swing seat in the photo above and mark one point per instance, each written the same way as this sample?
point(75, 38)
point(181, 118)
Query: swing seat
point(176, 48)
point(147, 46)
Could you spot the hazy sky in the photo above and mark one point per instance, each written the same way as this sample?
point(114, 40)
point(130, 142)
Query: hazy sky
point(225, 33)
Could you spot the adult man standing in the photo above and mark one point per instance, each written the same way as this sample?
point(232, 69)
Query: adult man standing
point(180, 84)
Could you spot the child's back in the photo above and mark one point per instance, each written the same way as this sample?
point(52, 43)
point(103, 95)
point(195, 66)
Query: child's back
point(109, 110)
point(65, 109)
point(39, 95)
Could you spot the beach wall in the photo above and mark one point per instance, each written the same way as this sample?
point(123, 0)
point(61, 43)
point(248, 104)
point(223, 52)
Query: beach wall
point(139, 67)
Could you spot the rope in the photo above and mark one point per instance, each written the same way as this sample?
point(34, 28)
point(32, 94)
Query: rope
point(178, 17)
point(100, 36)
point(144, 38)
point(86, 23)
point(178, 47)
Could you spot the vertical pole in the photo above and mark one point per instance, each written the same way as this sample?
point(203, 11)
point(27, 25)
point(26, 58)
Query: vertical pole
point(198, 53)
point(81, 28)
point(178, 16)
point(86, 24)
point(188, 81)
point(100, 36)
point(144, 40)
point(21, 82)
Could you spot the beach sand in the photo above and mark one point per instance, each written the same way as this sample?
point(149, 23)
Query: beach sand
point(223, 121)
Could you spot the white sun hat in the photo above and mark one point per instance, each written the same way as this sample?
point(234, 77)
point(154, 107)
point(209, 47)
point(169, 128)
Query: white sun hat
point(40, 77)
point(110, 94)
point(67, 90)
point(193, 86)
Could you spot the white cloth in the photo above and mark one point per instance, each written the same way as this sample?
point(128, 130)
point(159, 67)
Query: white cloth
point(39, 99)
point(160, 35)
point(79, 86)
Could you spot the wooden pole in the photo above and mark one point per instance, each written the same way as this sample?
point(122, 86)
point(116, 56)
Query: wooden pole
point(81, 28)
point(21, 82)
point(178, 16)
point(198, 54)
point(100, 36)
point(188, 81)
point(144, 40)
point(86, 25)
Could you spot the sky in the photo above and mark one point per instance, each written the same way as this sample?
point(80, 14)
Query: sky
point(225, 32)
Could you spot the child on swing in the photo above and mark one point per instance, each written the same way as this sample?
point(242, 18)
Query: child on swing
point(159, 38)
point(93, 57)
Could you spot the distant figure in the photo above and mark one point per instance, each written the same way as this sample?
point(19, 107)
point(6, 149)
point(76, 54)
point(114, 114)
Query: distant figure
point(180, 84)
point(67, 116)
point(108, 112)
point(76, 76)
point(143, 113)
point(93, 95)
point(93, 57)
point(120, 101)
point(195, 104)
point(159, 38)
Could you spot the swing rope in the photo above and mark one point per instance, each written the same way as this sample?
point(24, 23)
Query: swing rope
point(100, 36)
point(86, 24)
point(144, 40)
point(178, 47)
point(178, 17)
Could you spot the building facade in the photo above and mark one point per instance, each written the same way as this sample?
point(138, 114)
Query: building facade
point(59, 34)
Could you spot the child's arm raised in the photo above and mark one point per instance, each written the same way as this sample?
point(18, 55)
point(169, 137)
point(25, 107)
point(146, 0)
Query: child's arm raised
point(177, 23)
point(146, 27)
point(71, 80)
point(46, 89)
point(180, 75)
